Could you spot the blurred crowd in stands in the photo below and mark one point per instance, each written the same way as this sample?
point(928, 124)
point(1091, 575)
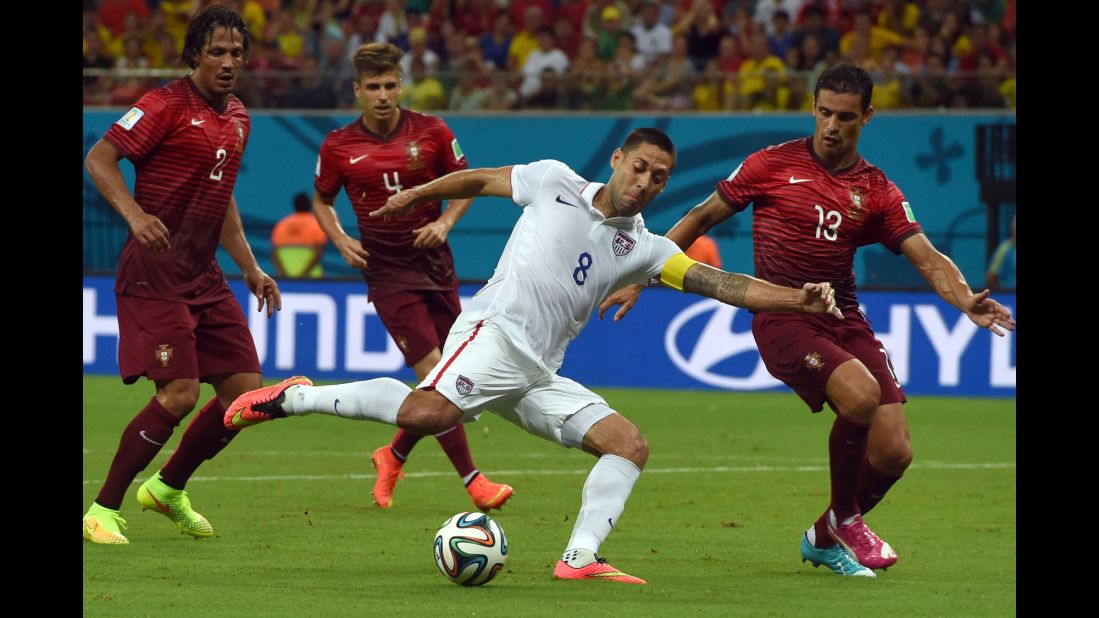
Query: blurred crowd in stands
point(656, 55)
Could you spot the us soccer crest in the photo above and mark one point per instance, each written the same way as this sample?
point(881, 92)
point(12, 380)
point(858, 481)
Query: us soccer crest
point(814, 361)
point(858, 204)
point(163, 355)
point(464, 385)
point(414, 151)
point(622, 243)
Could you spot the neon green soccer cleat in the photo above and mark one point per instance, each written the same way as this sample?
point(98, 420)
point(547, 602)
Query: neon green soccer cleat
point(154, 495)
point(101, 525)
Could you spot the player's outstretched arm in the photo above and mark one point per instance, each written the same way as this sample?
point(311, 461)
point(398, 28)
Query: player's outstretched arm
point(260, 283)
point(102, 165)
point(758, 295)
point(698, 221)
point(945, 278)
point(494, 181)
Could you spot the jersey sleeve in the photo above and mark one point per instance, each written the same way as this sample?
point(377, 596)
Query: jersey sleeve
point(661, 250)
point(526, 180)
point(452, 158)
point(139, 130)
point(897, 220)
point(745, 184)
point(329, 173)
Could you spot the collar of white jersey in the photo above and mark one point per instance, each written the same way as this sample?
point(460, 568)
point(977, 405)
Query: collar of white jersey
point(625, 223)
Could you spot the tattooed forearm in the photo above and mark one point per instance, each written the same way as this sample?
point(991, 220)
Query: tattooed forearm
point(730, 288)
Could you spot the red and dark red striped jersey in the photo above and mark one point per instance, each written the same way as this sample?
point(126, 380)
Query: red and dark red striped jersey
point(187, 155)
point(371, 168)
point(808, 221)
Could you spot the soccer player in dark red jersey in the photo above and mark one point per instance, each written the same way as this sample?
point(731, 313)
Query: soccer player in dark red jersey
point(406, 261)
point(816, 201)
point(179, 324)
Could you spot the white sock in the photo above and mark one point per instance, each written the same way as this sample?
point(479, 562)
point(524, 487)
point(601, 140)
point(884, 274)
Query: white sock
point(369, 400)
point(469, 477)
point(604, 498)
point(811, 535)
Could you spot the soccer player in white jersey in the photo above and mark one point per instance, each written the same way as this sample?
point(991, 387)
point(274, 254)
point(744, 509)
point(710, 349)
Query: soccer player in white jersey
point(576, 242)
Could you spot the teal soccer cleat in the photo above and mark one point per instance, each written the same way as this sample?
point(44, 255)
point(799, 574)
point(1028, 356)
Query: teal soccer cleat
point(834, 558)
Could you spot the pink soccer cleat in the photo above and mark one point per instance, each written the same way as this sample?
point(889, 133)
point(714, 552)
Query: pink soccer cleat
point(861, 542)
point(261, 405)
point(593, 567)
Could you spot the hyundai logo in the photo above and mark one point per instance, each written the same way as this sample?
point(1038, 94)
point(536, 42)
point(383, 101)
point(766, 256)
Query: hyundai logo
point(716, 343)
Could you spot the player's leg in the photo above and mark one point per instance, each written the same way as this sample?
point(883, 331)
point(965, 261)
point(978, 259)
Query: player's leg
point(888, 455)
point(566, 413)
point(622, 453)
point(155, 341)
point(443, 309)
point(806, 355)
point(889, 447)
point(227, 360)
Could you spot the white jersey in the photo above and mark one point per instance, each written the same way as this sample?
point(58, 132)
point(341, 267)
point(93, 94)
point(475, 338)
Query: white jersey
point(562, 259)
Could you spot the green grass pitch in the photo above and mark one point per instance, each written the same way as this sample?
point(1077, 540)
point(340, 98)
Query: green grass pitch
point(713, 524)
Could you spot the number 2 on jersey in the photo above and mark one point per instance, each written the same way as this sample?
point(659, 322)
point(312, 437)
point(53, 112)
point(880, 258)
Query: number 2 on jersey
point(830, 230)
point(215, 174)
point(580, 274)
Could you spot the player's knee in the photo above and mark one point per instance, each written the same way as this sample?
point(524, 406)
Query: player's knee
point(633, 446)
point(427, 413)
point(179, 403)
point(861, 406)
point(898, 457)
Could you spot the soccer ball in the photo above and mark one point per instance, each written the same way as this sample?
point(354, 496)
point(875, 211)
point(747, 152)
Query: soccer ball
point(470, 548)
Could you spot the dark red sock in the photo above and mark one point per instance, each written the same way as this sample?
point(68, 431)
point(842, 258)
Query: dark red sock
point(204, 438)
point(456, 447)
point(846, 452)
point(403, 443)
point(141, 441)
point(873, 486)
point(821, 528)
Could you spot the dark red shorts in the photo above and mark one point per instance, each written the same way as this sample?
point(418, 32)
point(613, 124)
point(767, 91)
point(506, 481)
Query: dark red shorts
point(167, 340)
point(803, 351)
point(418, 320)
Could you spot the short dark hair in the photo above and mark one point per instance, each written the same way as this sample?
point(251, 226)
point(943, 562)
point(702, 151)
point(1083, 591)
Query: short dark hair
point(302, 203)
point(202, 27)
point(649, 135)
point(373, 59)
point(847, 79)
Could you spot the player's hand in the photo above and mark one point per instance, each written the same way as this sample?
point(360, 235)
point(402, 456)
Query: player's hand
point(988, 313)
point(820, 298)
point(626, 297)
point(150, 232)
point(352, 251)
point(265, 289)
point(398, 204)
point(431, 235)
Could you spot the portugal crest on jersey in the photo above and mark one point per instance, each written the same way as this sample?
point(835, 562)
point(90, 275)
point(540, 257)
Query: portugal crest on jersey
point(464, 385)
point(622, 243)
point(240, 134)
point(414, 151)
point(858, 204)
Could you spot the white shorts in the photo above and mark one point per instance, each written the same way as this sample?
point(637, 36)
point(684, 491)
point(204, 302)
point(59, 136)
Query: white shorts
point(480, 369)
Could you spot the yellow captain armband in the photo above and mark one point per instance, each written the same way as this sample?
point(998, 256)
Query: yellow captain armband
point(675, 269)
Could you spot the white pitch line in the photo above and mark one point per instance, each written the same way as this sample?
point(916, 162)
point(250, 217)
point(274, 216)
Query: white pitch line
point(716, 469)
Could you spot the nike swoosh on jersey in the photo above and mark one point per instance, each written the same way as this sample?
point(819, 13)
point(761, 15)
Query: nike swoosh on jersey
point(355, 160)
point(561, 201)
point(197, 122)
point(797, 180)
